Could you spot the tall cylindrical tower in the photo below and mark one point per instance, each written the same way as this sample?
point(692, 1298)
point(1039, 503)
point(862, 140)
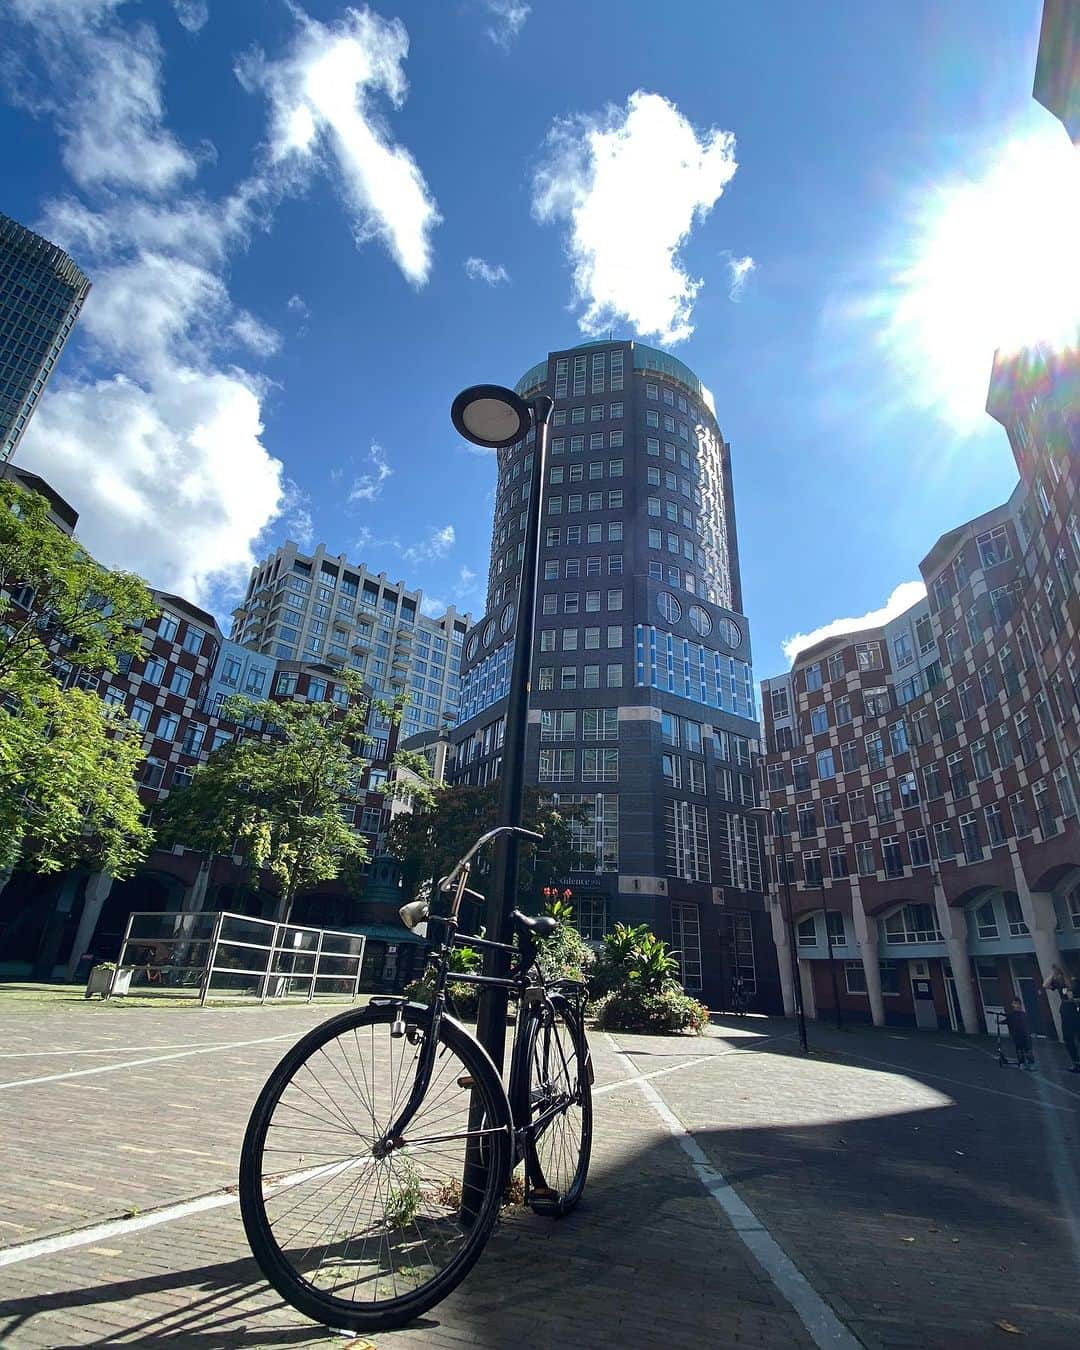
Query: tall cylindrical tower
point(643, 711)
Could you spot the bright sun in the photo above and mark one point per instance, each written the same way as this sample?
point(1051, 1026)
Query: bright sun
point(995, 262)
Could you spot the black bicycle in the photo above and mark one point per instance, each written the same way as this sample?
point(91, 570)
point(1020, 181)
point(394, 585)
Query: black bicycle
point(380, 1149)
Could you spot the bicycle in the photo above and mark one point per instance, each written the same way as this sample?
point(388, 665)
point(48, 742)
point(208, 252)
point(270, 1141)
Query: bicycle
point(379, 1151)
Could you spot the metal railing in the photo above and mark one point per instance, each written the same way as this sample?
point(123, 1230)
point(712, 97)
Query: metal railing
point(225, 955)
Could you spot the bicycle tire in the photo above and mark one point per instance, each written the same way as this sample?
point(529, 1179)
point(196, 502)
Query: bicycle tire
point(561, 1154)
point(258, 1187)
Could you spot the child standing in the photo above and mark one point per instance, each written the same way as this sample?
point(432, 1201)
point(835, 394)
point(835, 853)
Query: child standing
point(1017, 1021)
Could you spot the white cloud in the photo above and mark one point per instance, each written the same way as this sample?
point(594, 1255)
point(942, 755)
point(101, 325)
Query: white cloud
point(625, 256)
point(508, 19)
point(192, 14)
point(368, 486)
point(433, 607)
point(296, 305)
point(739, 269)
point(437, 545)
point(495, 274)
point(155, 439)
point(254, 334)
point(322, 117)
point(108, 106)
point(903, 597)
point(170, 476)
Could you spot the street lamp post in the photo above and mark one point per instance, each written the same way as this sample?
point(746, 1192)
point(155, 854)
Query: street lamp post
point(832, 958)
point(494, 417)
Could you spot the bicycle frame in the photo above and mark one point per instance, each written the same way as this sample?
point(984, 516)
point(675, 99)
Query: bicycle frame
point(518, 983)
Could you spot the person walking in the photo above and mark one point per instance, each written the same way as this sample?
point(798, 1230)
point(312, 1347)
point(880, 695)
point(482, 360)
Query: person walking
point(1070, 1028)
point(1017, 1021)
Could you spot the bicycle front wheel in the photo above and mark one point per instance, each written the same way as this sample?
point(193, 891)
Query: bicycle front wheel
point(351, 1239)
point(559, 1141)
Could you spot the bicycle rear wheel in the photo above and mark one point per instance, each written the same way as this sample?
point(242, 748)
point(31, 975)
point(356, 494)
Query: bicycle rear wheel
point(356, 1241)
point(560, 1106)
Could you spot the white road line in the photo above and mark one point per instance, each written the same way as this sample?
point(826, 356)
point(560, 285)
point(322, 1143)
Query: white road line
point(136, 1063)
point(119, 1228)
point(29, 1251)
point(825, 1328)
point(106, 1050)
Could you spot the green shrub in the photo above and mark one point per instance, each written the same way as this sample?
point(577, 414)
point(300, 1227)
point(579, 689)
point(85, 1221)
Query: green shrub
point(663, 1010)
point(635, 985)
point(465, 997)
point(565, 955)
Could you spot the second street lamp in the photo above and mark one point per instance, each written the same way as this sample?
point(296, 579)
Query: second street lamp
point(494, 417)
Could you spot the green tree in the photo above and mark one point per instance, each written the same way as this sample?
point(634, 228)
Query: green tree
point(428, 840)
point(67, 763)
point(276, 798)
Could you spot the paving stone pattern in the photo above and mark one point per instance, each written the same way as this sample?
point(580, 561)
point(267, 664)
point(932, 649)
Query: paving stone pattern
point(876, 1140)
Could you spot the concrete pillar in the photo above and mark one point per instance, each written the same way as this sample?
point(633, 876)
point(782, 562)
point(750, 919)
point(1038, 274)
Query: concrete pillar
point(806, 983)
point(48, 954)
point(866, 934)
point(98, 886)
point(195, 895)
point(953, 924)
point(783, 957)
point(1041, 919)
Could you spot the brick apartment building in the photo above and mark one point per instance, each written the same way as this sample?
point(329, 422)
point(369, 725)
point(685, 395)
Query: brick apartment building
point(922, 778)
point(174, 692)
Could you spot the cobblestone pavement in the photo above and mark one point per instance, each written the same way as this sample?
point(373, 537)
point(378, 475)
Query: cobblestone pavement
point(925, 1194)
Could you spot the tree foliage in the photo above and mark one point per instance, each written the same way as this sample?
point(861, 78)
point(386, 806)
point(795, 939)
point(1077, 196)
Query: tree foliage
point(430, 839)
point(276, 798)
point(67, 762)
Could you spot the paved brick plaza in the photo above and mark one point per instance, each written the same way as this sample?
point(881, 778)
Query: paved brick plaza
point(924, 1193)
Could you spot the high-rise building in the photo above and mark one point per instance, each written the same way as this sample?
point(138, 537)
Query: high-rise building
point(1057, 71)
point(642, 709)
point(41, 294)
point(927, 773)
point(321, 607)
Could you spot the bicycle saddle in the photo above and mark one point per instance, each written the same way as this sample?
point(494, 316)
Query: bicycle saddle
point(543, 925)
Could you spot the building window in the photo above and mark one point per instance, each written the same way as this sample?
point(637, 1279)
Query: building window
point(856, 805)
point(918, 848)
point(779, 699)
point(556, 766)
point(777, 777)
point(912, 924)
point(842, 707)
point(168, 626)
point(864, 859)
point(686, 942)
point(836, 666)
point(807, 821)
point(599, 766)
point(180, 682)
point(875, 750)
point(193, 641)
point(812, 869)
point(969, 838)
point(687, 840)
point(812, 678)
point(800, 772)
point(868, 655)
point(943, 840)
point(958, 779)
point(168, 724)
point(849, 756)
point(819, 719)
point(838, 865)
point(825, 765)
point(1015, 916)
point(995, 826)
point(892, 857)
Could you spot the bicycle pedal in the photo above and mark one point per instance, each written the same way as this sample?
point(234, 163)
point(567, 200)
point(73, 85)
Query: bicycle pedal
point(545, 1201)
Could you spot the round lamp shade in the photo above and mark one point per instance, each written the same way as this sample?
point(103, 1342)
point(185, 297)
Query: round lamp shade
point(491, 416)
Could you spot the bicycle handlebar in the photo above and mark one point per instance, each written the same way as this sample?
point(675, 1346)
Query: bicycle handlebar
point(449, 880)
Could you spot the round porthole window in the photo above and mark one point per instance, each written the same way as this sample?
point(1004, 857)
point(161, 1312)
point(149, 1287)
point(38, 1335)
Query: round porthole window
point(507, 620)
point(489, 631)
point(470, 650)
point(699, 620)
point(669, 607)
point(729, 633)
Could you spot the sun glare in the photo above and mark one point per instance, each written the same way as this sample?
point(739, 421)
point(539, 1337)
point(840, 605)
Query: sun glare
point(994, 262)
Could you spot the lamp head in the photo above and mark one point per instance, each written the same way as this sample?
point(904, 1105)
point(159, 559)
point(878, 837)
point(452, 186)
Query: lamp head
point(491, 416)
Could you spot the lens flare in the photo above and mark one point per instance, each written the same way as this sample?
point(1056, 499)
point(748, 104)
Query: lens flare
point(994, 263)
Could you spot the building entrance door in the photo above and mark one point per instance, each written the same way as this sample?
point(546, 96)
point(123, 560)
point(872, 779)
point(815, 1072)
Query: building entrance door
point(922, 996)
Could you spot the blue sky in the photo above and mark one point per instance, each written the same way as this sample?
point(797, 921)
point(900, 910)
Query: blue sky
point(278, 206)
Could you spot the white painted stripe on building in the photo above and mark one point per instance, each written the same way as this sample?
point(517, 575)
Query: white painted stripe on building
point(824, 1327)
point(137, 1063)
